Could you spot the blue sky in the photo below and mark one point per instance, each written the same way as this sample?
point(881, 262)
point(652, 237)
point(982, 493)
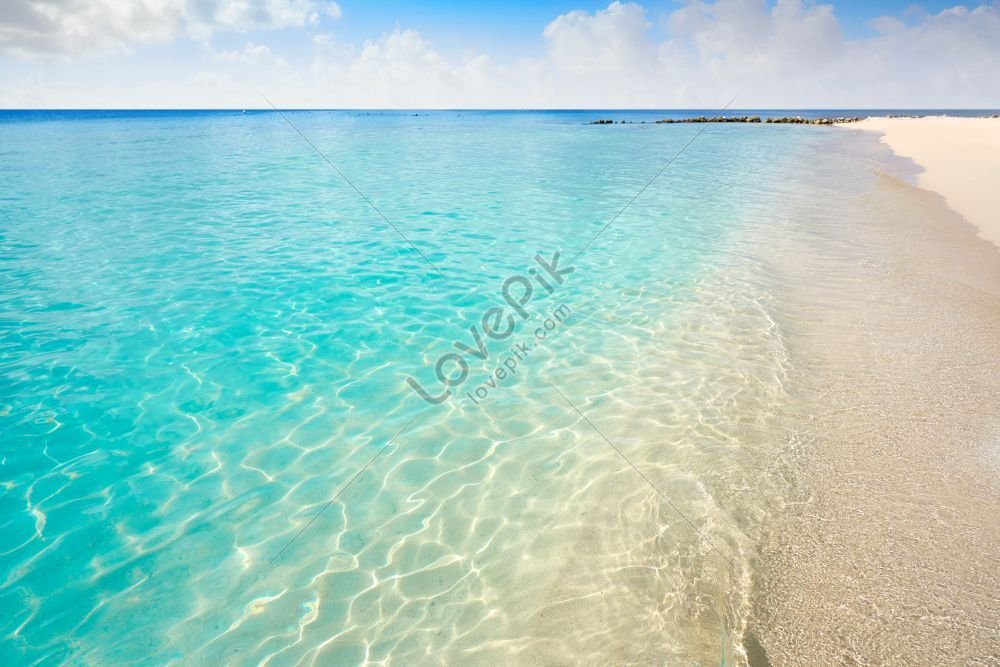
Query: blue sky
point(516, 27)
point(510, 30)
point(549, 53)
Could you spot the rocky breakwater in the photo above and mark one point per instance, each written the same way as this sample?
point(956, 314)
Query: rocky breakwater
point(794, 120)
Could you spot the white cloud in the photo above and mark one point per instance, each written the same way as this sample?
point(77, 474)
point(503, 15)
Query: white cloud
point(785, 53)
point(611, 40)
point(401, 69)
point(948, 59)
point(886, 25)
point(252, 54)
point(85, 27)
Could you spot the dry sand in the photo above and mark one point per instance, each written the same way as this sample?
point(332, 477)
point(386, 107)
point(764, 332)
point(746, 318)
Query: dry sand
point(960, 158)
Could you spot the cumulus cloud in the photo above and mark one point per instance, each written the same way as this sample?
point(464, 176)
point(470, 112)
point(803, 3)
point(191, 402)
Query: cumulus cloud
point(791, 54)
point(783, 53)
point(252, 54)
point(749, 46)
point(401, 69)
point(79, 27)
point(610, 40)
point(886, 24)
point(948, 59)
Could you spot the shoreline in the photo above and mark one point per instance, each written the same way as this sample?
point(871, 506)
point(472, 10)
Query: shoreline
point(960, 158)
point(892, 315)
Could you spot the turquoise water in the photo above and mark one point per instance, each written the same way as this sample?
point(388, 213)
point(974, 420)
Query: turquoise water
point(206, 332)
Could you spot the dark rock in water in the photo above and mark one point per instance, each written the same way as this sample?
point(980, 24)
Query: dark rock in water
point(794, 120)
point(756, 654)
point(780, 120)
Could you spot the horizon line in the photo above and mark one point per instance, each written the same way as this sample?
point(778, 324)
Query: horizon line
point(506, 109)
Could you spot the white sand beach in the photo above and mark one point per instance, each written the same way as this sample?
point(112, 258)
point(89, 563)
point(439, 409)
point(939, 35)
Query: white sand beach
point(886, 551)
point(960, 158)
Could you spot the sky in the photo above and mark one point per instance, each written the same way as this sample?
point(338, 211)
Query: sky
point(495, 54)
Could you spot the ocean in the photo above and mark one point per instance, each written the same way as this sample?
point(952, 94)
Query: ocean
point(337, 387)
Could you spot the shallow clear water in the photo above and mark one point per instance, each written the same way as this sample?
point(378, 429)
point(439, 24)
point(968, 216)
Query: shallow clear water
point(206, 333)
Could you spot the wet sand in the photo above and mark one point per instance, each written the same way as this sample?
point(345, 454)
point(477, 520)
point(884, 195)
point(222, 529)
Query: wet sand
point(887, 549)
